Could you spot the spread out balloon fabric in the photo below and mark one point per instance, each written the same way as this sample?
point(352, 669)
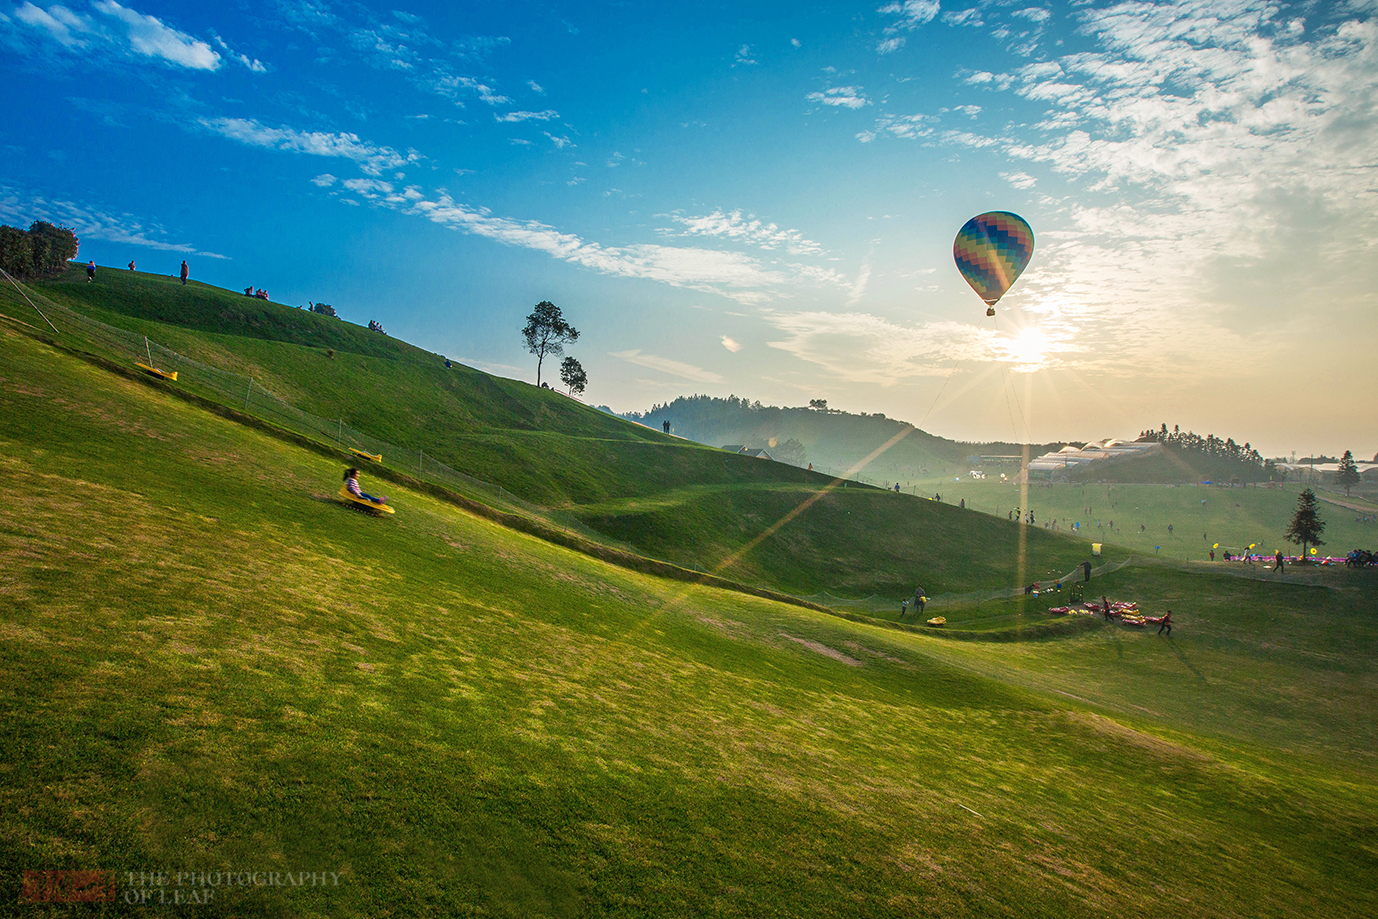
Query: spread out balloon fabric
point(991, 250)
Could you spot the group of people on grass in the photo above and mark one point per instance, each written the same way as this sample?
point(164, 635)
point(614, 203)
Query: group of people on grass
point(259, 294)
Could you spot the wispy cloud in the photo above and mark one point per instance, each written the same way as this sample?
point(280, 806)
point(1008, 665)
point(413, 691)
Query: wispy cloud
point(911, 13)
point(745, 56)
point(863, 348)
point(731, 344)
point(546, 115)
point(113, 28)
point(841, 96)
point(372, 159)
point(749, 229)
point(666, 365)
point(21, 207)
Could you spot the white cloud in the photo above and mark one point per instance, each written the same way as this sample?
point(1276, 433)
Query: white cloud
point(21, 208)
point(666, 365)
point(744, 55)
point(370, 158)
point(912, 13)
point(862, 348)
point(731, 344)
point(528, 116)
point(148, 36)
point(732, 225)
point(1033, 14)
point(1223, 167)
point(119, 29)
point(892, 44)
point(324, 180)
point(253, 64)
point(844, 96)
point(535, 87)
point(71, 30)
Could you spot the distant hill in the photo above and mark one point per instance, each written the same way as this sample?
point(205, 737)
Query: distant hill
point(831, 440)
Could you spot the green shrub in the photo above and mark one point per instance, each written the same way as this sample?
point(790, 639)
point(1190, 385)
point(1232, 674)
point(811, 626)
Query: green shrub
point(42, 252)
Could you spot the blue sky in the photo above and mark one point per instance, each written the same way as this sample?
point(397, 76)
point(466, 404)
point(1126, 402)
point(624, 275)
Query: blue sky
point(757, 198)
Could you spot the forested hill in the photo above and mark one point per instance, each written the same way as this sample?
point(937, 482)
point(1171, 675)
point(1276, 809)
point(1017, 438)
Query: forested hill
point(830, 439)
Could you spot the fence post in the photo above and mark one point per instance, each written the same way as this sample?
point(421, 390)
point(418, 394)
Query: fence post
point(247, 393)
point(419, 456)
point(339, 432)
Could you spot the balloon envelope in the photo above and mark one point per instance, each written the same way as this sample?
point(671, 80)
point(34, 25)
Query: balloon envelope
point(991, 250)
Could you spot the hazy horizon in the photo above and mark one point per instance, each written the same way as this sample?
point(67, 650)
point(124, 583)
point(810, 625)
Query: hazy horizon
point(760, 199)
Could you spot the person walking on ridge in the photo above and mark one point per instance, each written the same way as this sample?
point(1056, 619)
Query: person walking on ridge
point(90, 271)
point(1278, 562)
point(186, 272)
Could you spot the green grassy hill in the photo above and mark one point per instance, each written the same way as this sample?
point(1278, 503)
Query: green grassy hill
point(664, 496)
point(207, 664)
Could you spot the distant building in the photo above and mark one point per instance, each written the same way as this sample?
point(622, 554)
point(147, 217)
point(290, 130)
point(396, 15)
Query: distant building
point(1056, 466)
point(758, 452)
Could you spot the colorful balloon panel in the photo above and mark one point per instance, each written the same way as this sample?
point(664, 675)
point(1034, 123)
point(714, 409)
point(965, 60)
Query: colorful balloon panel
point(991, 250)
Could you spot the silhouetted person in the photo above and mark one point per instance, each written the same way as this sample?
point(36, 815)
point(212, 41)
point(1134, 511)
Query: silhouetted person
point(1086, 572)
point(1278, 559)
point(1167, 624)
point(186, 272)
point(131, 264)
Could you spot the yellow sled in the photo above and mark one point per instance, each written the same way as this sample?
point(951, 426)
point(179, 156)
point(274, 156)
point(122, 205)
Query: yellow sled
point(938, 620)
point(376, 457)
point(364, 505)
point(154, 371)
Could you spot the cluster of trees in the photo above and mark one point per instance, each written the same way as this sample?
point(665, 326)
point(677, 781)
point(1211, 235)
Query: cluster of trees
point(1251, 466)
point(42, 251)
point(325, 309)
point(546, 333)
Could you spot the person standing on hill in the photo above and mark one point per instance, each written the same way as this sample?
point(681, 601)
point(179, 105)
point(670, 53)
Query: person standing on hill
point(186, 272)
point(1167, 624)
point(90, 271)
point(919, 599)
point(904, 607)
point(1086, 572)
point(131, 264)
point(1278, 562)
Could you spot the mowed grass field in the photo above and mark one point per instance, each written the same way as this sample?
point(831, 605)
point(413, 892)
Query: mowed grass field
point(210, 665)
point(1200, 516)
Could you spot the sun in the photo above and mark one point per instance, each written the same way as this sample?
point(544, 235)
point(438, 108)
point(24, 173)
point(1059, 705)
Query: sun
point(1029, 348)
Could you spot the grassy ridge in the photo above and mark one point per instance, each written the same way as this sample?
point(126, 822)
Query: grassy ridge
point(208, 663)
point(616, 476)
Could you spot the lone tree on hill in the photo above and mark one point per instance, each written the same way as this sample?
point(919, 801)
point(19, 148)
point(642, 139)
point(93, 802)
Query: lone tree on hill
point(1306, 526)
point(1348, 473)
point(572, 373)
point(547, 333)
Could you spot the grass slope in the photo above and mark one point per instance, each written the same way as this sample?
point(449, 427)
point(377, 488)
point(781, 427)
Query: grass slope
point(1232, 517)
point(664, 496)
point(208, 664)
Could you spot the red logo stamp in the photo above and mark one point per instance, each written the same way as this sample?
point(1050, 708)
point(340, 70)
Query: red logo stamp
point(68, 887)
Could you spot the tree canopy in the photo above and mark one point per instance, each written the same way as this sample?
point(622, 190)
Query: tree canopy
point(546, 333)
point(1348, 473)
point(573, 376)
point(42, 251)
point(1306, 526)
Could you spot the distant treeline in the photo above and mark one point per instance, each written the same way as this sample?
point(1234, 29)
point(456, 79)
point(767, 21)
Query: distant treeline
point(1217, 458)
point(42, 251)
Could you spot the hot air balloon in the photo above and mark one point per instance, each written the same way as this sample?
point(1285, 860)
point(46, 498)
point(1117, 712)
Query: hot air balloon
point(991, 250)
